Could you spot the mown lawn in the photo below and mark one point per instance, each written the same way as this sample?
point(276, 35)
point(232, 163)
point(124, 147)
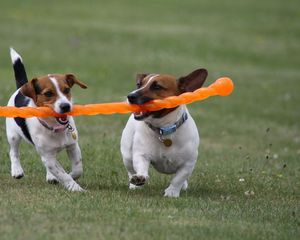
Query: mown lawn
point(253, 135)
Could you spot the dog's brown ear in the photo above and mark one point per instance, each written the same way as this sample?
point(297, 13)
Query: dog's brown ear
point(31, 89)
point(72, 79)
point(192, 81)
point(139, 79)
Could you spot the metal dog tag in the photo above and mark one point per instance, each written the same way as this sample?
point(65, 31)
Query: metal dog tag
point(166, 141)
point(72, 131)
point(74, 136)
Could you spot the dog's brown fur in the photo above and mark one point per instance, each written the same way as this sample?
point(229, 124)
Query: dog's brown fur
point(43, 92)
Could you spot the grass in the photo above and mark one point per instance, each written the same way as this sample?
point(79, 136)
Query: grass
point(253, 134)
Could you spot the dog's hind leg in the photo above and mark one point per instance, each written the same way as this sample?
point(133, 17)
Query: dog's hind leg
point(179, 181)
point(14, 142)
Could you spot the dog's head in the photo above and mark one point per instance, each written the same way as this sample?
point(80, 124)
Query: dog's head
point(53, 90)
point(156, 86)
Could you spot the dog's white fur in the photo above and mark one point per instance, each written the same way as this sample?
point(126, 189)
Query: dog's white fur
point(14, 55)
point(140, 147)
point(47, 144)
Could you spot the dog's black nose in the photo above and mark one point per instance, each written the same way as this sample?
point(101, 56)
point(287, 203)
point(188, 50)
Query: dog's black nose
point(65, 107)
point(138, 98)
point(132, 97)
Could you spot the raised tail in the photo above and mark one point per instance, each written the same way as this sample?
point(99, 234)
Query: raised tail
point(19, 68)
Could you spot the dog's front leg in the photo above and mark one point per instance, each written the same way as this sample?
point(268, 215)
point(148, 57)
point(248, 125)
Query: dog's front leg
point(74, 154)
point(50, 178)
point(179, 181)
point(141, 167)
point(59, 173)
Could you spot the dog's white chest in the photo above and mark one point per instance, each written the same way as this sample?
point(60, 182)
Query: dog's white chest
point(48, 141)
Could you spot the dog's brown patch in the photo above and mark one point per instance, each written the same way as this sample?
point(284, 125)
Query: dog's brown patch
point(155, 86)
point(159, 87)
point(43, 91)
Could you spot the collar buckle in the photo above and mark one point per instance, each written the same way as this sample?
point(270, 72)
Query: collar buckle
point(168, 130)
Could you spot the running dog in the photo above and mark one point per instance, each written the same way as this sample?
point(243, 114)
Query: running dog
point(167, 139)
point(48, 135)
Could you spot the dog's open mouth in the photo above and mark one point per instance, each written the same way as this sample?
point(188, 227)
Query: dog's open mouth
point(141, 115)
point(62, 120)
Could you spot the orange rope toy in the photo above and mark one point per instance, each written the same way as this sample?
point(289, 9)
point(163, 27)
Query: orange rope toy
point(222, 86)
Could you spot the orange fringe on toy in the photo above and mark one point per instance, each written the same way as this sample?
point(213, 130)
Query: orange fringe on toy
point(222, 86)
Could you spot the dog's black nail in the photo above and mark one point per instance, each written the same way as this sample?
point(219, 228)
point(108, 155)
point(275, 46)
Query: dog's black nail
point(19, 176)
point(53, 181)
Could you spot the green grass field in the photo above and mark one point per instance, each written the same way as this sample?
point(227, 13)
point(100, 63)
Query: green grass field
point(253, 134)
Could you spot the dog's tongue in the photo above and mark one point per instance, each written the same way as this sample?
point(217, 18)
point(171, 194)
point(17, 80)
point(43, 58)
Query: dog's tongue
point(62, 120)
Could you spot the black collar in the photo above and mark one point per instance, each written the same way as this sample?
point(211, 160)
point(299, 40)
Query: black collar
point(169, 129)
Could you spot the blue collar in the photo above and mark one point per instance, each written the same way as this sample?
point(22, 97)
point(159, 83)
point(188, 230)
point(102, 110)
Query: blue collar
point(169, 129)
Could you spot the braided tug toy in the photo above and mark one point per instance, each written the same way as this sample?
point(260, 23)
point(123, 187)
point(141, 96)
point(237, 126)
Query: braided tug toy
point(222, 86)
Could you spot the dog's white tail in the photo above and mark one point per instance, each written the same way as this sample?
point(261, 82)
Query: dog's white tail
point(19, 68)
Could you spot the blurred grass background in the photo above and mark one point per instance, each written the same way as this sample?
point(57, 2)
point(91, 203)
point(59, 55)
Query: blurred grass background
point(253, 134)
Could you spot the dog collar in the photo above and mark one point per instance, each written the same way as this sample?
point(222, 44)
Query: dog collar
point(169, 129)
point(62, 126)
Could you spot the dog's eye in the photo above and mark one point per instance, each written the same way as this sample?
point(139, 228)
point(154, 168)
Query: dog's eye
point(139, 84)
point(49, 94)
point(67, 91)
point(155, 86)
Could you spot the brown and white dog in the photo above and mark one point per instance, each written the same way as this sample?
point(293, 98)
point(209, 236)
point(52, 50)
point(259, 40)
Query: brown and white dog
point(168, 139)
point(48, 135)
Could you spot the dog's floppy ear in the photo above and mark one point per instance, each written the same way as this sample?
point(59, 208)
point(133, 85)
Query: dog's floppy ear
point(72, 79)
point(192, 81)
point(139, 79)
point(31, 89)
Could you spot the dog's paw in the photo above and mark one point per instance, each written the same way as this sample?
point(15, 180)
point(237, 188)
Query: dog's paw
point(17, 172)
point(74, 187)
point(51, 179)
point(172, 192)
point(138, 180)
point(185, 185)
point(134, 187)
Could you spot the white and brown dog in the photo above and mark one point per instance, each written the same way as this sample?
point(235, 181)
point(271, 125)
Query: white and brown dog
point(168, 139)
point(48, 135)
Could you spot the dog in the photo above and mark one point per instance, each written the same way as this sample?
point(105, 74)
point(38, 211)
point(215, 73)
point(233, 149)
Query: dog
point(167, 139)
point(48, 135)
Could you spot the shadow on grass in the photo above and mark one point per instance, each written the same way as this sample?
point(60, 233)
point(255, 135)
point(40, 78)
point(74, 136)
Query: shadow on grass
point(119, 187)
point(157, 190)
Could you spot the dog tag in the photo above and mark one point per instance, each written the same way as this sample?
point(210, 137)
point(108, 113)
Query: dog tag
point(72, 131)
point(74, 136)
point(166, 141)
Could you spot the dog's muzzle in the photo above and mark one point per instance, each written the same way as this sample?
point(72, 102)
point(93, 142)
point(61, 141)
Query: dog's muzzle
point(138, 99)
